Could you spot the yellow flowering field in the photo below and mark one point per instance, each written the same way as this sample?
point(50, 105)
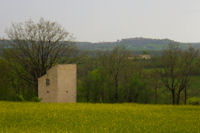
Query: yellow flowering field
point(28, 117)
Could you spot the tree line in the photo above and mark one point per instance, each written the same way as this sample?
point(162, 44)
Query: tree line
point(105, 77)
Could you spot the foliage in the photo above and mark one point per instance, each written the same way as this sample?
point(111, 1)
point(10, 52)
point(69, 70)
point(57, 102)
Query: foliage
point(12, 87)
point(35, 99)
point(135, 90)
point(193, 101)
point(113, 80)
point(20, 98)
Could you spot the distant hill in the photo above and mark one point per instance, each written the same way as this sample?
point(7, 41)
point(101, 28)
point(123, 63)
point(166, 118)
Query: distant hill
point(132, 44)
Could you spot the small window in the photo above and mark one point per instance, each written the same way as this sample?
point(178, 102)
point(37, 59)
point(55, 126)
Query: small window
point(47, 82)
point(66, 91)
point(47, 91)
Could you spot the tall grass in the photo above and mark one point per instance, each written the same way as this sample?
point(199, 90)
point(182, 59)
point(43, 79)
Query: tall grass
point(86, 118)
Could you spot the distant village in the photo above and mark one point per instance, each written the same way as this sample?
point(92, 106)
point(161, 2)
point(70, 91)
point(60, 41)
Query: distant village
point(141, 57)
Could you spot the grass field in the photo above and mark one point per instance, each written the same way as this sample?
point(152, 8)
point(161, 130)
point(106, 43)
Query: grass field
point(86, 118)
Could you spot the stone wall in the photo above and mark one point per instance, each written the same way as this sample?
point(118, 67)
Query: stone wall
point(59, 84)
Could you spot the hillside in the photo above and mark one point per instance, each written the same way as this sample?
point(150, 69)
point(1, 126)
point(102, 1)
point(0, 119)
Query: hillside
point(132, 44)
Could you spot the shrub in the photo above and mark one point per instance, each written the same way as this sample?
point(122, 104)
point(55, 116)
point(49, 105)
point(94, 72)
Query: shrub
point(194, 101)
point(20, 98)
point(36, 99)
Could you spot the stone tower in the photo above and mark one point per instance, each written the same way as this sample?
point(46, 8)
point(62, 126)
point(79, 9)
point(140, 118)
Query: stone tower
point(59, 84)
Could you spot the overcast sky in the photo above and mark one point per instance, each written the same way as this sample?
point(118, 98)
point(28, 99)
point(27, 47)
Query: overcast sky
point(110, 20)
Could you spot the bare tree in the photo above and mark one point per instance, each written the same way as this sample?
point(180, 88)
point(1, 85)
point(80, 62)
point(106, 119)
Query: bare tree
point(187, 67)
point(114, 64)
point(177, 70)
point(169, 72)
point(38, 46)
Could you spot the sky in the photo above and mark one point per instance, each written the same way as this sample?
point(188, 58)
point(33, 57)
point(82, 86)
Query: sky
point(110, 20)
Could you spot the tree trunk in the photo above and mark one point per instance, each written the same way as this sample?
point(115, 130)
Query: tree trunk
point(116, 89)
point(87, 95)
point(185, 100)
point(102, 96)
point(156, 95)
point(136, 97)
point(173, 96)
point(178, 98)
point(129, 95)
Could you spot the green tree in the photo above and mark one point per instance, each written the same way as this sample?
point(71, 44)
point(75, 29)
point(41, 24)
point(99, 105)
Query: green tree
point(12, 87)
point(114, 64)
point(135, 89)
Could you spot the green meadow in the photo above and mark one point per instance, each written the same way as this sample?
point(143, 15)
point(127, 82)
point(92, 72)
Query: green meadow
point(27, 117)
